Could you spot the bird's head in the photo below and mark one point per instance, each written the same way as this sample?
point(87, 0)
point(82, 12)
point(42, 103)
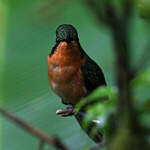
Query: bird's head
point(66, 32)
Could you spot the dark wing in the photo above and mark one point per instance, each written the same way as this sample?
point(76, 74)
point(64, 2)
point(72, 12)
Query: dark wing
point(54, 48)
point(92, 74)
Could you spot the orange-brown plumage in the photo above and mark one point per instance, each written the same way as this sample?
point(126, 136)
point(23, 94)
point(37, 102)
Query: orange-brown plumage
point(64, 74)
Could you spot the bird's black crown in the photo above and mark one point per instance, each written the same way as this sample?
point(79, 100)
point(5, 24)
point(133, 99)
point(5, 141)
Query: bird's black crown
point(66, 32)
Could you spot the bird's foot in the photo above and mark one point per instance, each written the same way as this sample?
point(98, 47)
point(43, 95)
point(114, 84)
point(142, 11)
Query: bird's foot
point(69, 111)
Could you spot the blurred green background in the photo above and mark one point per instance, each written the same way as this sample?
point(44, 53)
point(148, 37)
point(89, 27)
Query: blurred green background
point(27, 35)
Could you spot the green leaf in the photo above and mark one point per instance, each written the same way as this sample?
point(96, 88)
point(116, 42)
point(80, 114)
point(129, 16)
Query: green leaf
point(144, 119)
point(100, 94)
point(141, 79)
point(100, 113)
point(143, 8)
point(141, 95)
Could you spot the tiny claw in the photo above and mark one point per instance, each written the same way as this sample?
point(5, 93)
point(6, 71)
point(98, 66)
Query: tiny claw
point(59, 111)
point(69, 111)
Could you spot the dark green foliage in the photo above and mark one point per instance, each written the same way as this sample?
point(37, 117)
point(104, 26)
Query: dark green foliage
point(143, 8)
point(104, 110)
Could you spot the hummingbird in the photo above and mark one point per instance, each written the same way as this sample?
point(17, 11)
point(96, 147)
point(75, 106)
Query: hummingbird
point(72, 74)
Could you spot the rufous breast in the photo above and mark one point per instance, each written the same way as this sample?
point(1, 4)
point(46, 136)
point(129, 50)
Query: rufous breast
point(64, 74)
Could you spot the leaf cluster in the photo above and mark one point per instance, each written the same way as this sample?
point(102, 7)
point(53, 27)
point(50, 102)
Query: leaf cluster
point(101, 107)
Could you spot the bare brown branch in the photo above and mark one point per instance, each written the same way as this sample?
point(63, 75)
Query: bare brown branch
point(51, 140)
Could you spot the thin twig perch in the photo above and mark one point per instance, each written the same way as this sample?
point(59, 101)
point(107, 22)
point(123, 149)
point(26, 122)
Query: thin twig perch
point(51, 140)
